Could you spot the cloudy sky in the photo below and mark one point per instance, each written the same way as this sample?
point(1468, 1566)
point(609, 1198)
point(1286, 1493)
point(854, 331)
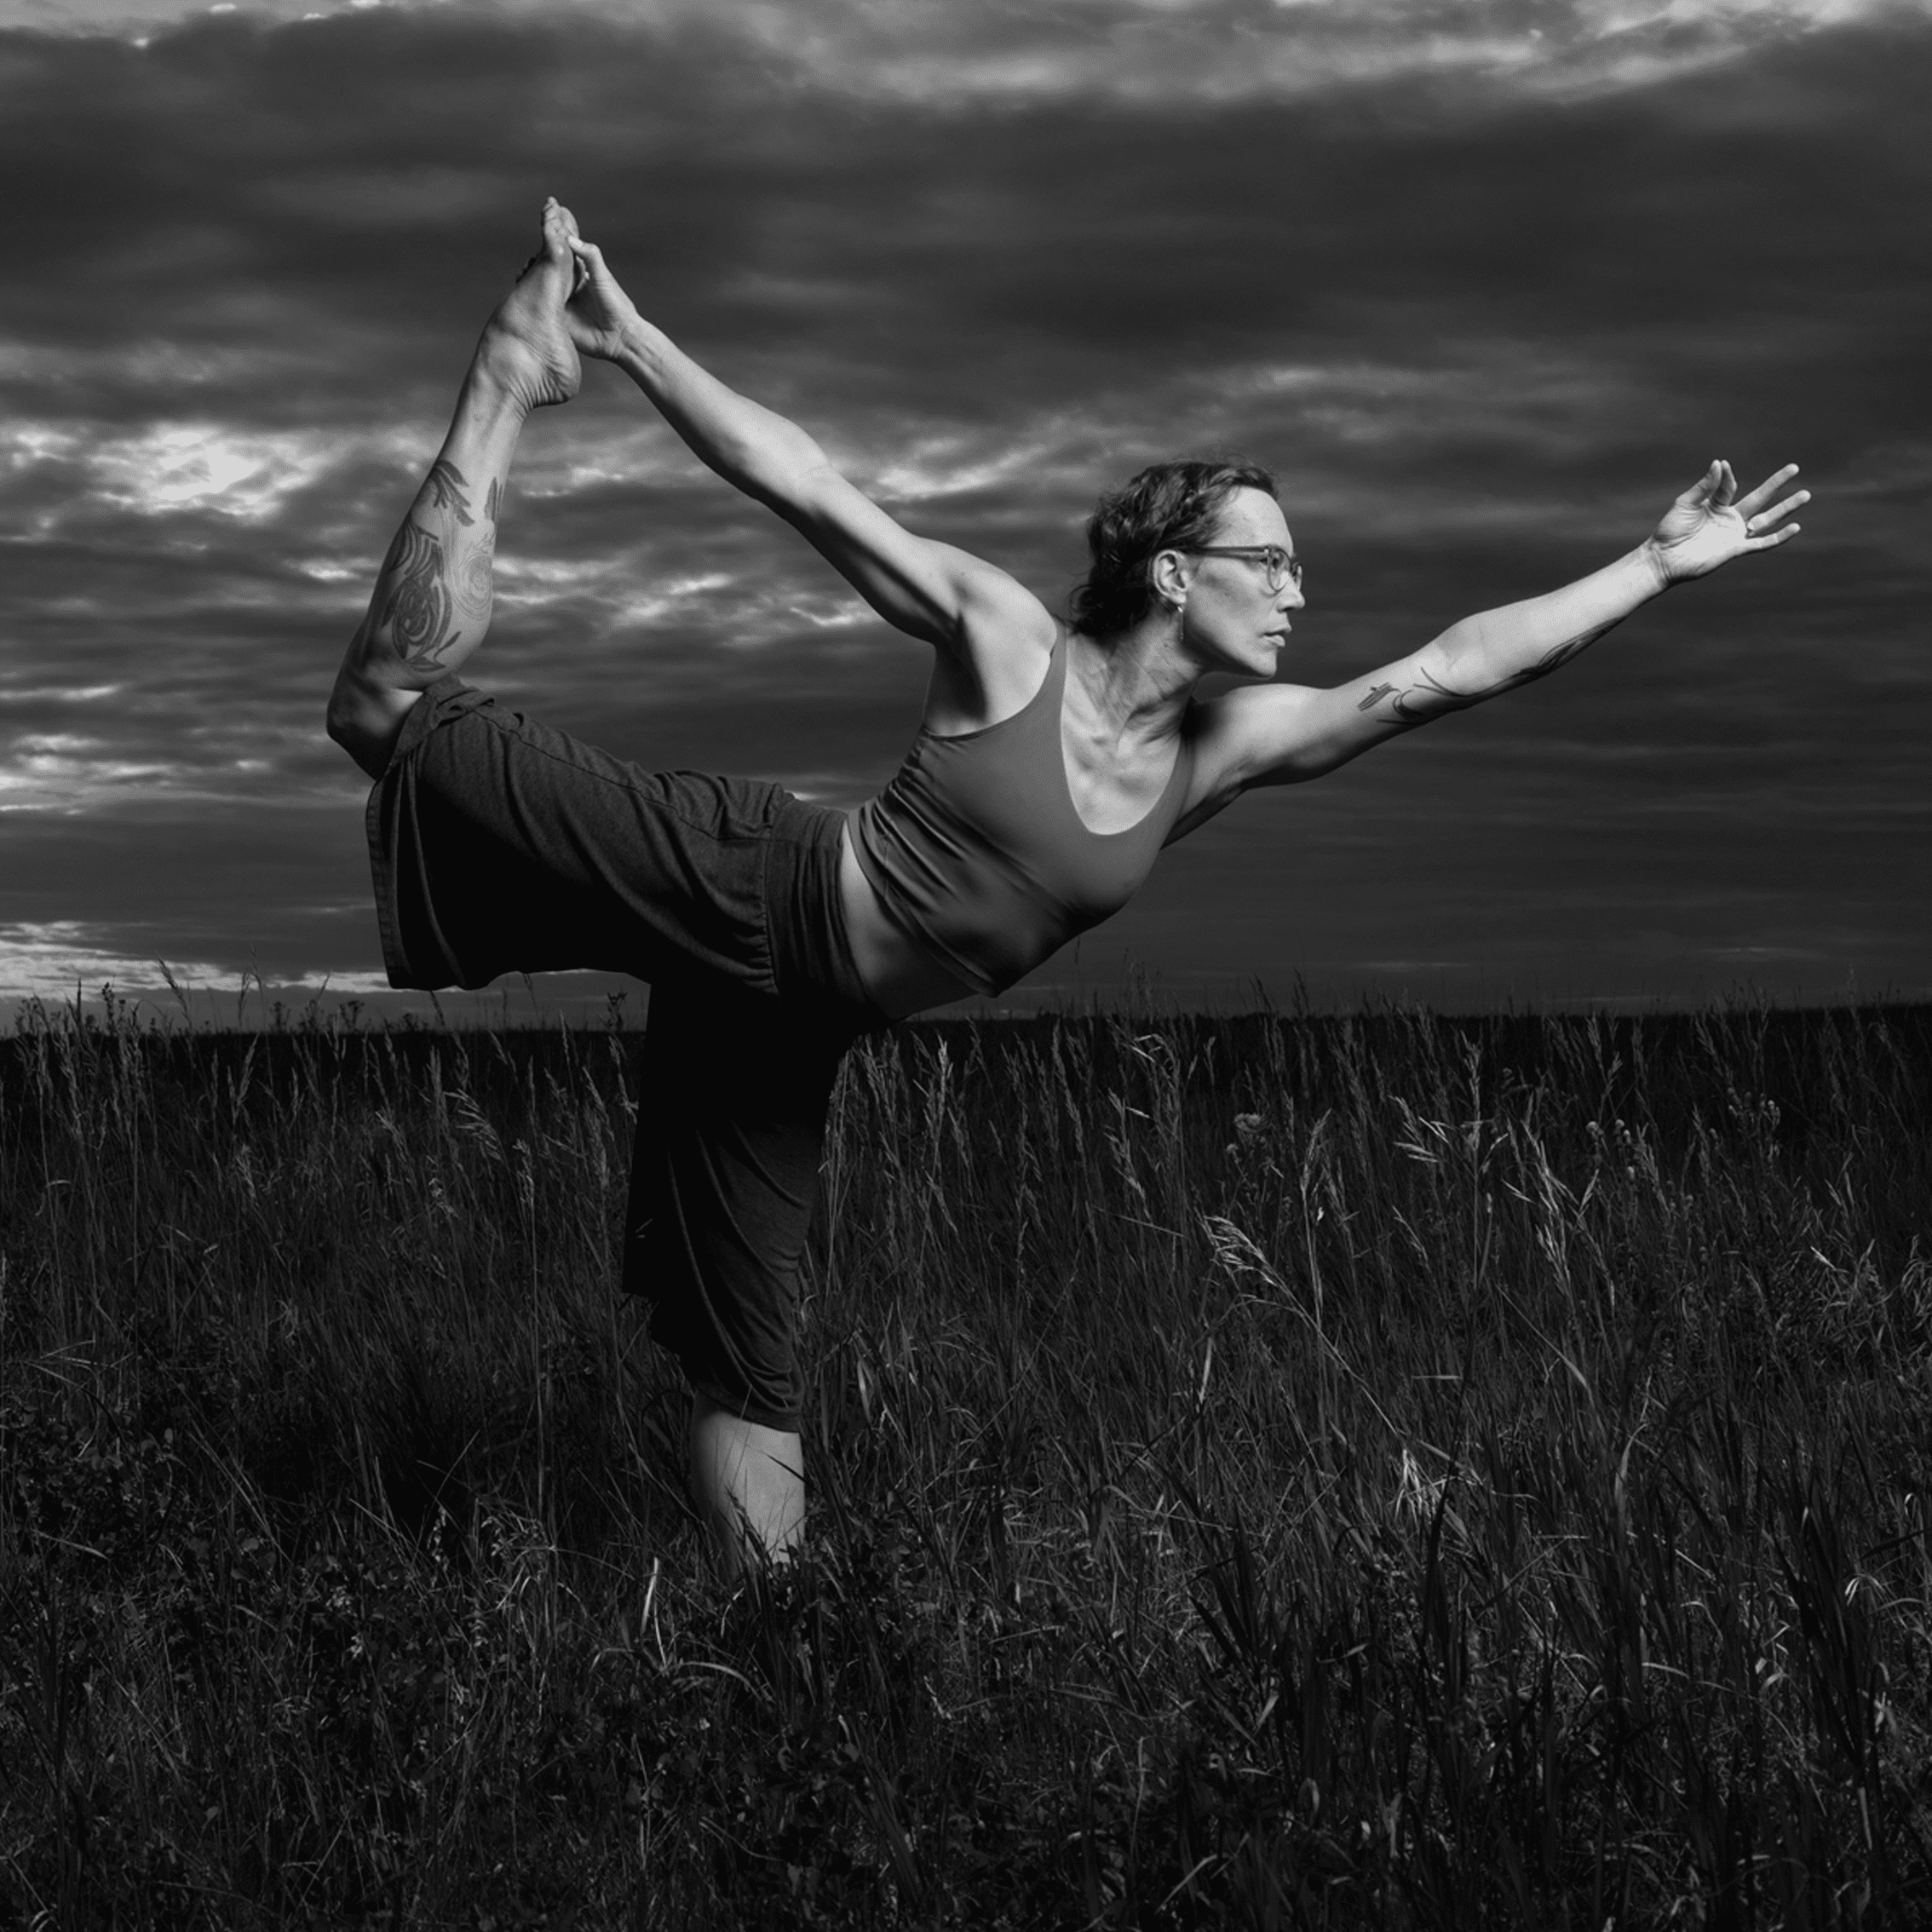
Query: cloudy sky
point(1486, 282)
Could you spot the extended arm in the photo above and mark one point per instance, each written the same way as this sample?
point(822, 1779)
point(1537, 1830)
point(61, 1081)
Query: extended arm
point(1280, 735)
point(1483, 656)
point(932, 591)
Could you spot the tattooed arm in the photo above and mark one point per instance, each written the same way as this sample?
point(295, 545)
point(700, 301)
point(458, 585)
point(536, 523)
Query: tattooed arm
point(1501, 650)
point(1280, 734)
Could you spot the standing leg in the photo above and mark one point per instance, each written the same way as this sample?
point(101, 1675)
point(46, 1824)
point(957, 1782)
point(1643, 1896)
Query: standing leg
point(431, 605)
point(733, 1090)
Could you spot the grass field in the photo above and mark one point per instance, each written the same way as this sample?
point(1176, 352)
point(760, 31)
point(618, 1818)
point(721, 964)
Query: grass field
point(1393, 1471)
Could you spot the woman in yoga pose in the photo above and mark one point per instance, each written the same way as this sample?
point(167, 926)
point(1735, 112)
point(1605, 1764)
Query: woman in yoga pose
point(1052, 764)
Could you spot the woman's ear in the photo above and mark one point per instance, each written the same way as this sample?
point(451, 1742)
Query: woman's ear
point(1168, 574)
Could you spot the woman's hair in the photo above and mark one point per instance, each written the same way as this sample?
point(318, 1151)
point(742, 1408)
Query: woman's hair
point(1171, 506)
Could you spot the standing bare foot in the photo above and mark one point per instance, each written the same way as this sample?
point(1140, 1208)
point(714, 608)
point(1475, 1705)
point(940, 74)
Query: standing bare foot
point(526, 344)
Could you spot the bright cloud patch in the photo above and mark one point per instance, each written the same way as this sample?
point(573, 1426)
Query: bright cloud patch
point(61, 772)
point(64, 773)
point(58, 960)
point(200, 466)
point(57, 694)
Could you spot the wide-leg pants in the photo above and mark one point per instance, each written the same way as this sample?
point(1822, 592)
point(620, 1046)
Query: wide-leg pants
point(499, 845)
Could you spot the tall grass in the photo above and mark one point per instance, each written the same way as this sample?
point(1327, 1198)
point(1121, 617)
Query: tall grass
point(1387, 1471)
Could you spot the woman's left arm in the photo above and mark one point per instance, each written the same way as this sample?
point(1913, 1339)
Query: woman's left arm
point(1497, 651)
point(1280, 735)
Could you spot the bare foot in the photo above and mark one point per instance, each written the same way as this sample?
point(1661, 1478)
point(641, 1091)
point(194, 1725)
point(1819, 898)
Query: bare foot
point(526, 344)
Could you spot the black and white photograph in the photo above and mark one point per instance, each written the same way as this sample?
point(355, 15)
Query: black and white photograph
point(749, 1175)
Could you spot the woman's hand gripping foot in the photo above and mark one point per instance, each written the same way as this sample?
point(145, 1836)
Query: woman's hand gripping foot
point(602, 320)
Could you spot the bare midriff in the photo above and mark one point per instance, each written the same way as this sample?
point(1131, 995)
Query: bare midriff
point(902, 977)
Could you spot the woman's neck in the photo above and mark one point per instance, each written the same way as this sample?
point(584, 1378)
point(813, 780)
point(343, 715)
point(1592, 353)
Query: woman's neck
point(1136, 684)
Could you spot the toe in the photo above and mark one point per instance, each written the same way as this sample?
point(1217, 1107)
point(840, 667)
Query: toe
point(558, 228)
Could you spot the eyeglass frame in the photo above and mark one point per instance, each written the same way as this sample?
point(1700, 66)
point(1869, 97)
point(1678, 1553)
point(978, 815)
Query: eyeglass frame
point(1290, 571)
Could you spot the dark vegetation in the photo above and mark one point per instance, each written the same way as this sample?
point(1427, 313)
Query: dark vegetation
point(1394, 1471)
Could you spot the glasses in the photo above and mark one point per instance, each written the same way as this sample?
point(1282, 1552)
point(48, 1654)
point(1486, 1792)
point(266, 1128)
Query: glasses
point(1282, 568)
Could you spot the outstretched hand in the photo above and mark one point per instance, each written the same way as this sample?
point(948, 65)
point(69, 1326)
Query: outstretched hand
point(1705, 527)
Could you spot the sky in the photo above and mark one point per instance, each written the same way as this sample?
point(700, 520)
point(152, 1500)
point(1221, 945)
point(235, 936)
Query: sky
point(1485, 285)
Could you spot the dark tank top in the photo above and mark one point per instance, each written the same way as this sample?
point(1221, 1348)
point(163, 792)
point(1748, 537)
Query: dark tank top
point(977, 853)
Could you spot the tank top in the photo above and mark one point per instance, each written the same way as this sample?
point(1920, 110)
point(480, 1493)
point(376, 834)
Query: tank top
point(977, 853)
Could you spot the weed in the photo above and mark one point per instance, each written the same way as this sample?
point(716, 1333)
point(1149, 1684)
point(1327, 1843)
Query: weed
point(1386, 1471)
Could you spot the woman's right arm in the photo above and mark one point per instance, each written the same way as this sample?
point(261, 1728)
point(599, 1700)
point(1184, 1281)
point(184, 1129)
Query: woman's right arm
point(932, 591)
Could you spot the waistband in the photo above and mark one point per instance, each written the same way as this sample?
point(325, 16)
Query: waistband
point(812, 957)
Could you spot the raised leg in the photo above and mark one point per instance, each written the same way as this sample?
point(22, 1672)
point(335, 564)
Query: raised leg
point(748, 1484)
point(431, 605)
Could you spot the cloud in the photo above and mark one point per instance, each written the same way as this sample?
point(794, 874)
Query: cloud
point(64, 958)
point(1202, 52)
point(1225, 51)
point(177, 466)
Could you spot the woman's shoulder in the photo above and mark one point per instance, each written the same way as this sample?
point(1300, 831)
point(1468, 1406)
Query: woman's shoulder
point(1000, 616)
point(1007, 641)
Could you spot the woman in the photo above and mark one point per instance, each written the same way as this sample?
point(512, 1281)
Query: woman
point(1052, 764)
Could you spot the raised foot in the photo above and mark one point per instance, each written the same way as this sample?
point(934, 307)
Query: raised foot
point(526, 344)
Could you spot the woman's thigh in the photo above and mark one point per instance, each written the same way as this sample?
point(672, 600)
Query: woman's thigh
point(500, 845)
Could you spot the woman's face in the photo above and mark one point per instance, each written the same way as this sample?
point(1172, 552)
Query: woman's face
point(1231, 618)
